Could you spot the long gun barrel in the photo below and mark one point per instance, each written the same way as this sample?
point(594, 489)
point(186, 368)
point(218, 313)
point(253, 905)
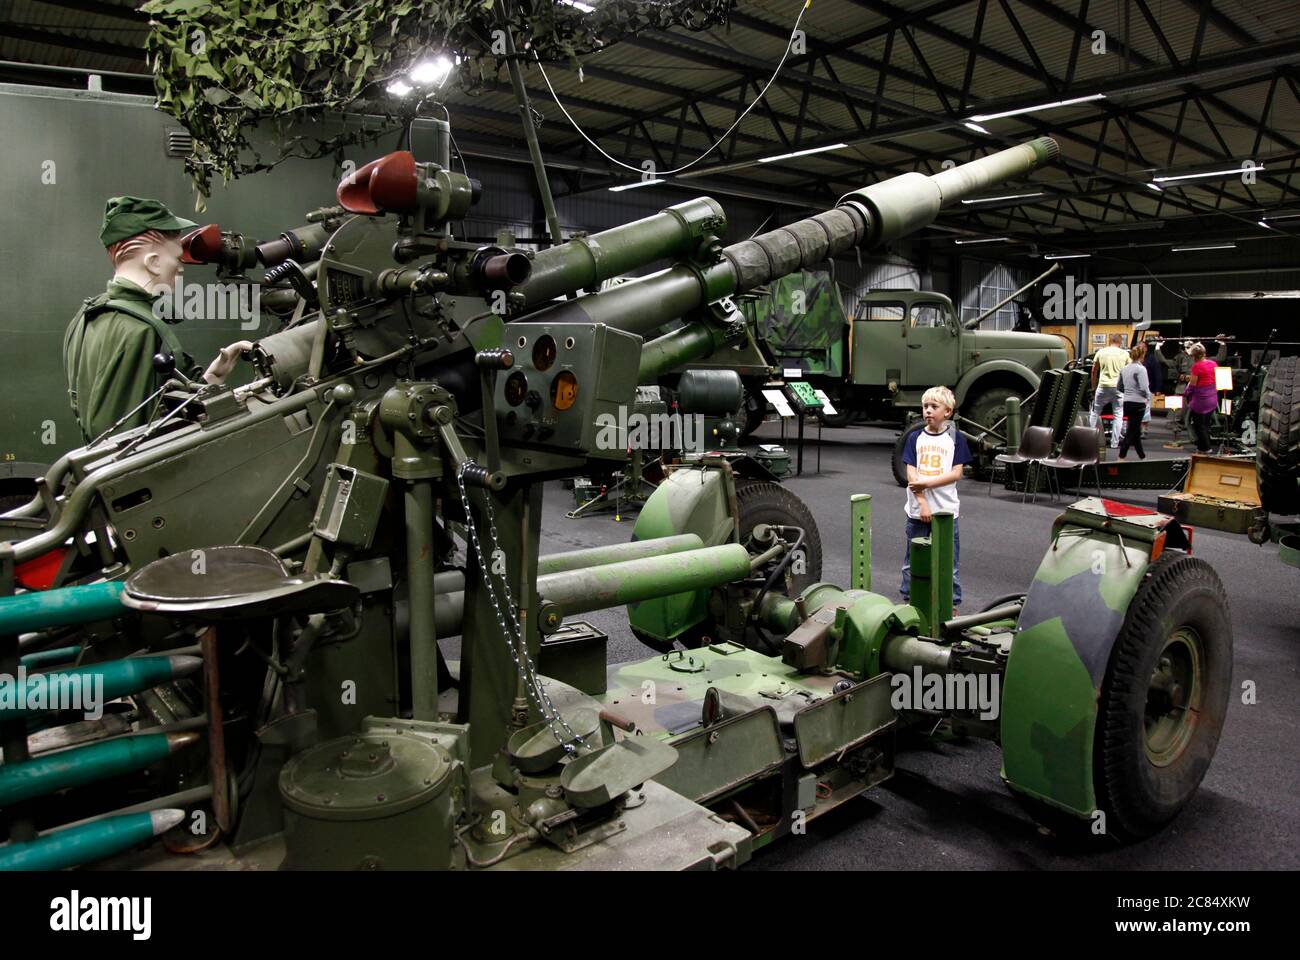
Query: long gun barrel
point(865, 218)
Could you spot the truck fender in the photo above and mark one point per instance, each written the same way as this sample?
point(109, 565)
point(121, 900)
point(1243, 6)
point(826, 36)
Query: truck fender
point(981, 370)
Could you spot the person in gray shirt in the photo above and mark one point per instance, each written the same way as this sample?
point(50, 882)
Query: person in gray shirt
point(1135, 394)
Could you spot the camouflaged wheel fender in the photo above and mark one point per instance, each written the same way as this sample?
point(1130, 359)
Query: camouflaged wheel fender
point(1074, 611)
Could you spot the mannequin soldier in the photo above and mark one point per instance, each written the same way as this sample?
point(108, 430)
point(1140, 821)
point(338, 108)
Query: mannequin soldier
point(109, 347)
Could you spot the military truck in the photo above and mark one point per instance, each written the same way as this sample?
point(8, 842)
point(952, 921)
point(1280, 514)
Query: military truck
point(900, 343)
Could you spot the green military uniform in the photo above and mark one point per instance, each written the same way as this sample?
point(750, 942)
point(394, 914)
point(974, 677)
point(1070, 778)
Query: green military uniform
point(109, 347)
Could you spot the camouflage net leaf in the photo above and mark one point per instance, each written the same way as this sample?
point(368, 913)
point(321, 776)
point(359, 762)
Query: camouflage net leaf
point(225, 67)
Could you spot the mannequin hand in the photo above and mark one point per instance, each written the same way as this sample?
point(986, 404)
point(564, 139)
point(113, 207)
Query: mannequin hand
point(221, 367)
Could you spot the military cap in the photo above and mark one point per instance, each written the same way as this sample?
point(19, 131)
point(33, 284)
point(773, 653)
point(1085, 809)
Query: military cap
point(128, 216)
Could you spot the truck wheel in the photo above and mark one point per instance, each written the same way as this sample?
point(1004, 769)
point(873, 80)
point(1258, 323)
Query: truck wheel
point(1163, 698)
point(896, 460)
point(990, 406)
point(841, 418)
point(1279, 438)
point(752, 411)
point(758, 501)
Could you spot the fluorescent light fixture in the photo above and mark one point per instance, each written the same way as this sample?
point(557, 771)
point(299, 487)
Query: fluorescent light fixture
point(976, 127)
point(1042, 106)
point(802, 153)
point(1281, 216)
point(1211, 246)
point(1156, 187)
point(399, 88)
point(984, 240)
point(1265, 225)
point(1231, 172)
point(1013, 196)
point(632, 186)
point(1065, 256)
point(428, 73)
point(584, 7)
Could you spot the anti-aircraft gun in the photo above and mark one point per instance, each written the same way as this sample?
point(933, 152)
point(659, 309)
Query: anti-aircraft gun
point(262, 574)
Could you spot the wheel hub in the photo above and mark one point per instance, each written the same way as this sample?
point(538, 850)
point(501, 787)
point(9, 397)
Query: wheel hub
point(1173, 696)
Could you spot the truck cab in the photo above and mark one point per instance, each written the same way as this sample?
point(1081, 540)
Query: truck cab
point(903, 342)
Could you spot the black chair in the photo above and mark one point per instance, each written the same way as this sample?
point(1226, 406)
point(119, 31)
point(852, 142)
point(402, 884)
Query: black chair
point(1035, 446)
point(1080, 449)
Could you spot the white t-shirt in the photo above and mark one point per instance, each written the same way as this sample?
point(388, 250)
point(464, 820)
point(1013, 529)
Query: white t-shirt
point(933, 455)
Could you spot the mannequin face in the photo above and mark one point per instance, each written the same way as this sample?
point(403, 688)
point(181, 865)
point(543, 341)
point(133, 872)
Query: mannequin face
point(150, 260)
point(163, 264)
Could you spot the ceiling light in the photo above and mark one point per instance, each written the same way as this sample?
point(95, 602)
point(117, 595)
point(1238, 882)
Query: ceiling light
point(584, 7)
point(399, 88)
point(1156, 187)
point(976, 127)
point(983, 240)
point(1014, 196)
point(1041, 106)
point(1265, 225)
point(1232, 172)
point(1065, 256)
point(632, 186)
point(1212, 246)
point(802, 153)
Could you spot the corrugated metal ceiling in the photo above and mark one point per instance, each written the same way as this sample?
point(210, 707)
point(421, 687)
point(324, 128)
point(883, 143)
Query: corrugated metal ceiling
point(642, 85)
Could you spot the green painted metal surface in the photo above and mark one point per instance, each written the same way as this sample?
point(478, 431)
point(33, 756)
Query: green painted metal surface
point(1073, 612)
point(38, 610)
point(85, 764)
point(90, 842)
point(88, 686)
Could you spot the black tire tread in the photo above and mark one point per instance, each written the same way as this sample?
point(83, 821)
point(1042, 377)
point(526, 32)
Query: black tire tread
point(1278, 455)
point(896, 458)
point(1168, 585)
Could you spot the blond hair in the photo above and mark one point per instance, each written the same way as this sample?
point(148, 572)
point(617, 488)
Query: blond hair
point(942, 396)
point(1197, 351)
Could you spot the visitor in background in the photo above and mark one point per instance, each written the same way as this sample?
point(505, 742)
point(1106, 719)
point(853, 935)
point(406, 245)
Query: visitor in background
point(1135, 392)
point(1202, 397)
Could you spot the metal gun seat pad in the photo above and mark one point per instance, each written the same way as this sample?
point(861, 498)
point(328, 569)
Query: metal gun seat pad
point(231, 583)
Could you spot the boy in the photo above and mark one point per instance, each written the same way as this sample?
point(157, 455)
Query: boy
point(934, 456)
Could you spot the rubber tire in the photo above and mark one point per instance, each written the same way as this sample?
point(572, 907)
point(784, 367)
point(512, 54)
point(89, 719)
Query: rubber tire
point(841, 418)
point(1138, 797)
point(1278, 459)
point(896, 458)
point(990, 406)
point(749, 418)
point(758, 501)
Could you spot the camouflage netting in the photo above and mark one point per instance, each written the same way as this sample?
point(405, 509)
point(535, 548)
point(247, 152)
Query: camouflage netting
point(802, 319)
point(223, 67)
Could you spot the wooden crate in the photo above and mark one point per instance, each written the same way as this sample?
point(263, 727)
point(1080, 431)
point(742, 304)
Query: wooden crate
point(1221, 493)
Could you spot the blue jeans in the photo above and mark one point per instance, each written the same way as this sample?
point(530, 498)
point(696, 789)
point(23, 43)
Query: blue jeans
point(919, 528)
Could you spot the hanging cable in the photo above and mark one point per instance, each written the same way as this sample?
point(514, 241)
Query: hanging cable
point(582, 133)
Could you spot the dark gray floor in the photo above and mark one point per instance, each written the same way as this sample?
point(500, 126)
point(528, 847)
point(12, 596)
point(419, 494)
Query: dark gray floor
point(946, 808)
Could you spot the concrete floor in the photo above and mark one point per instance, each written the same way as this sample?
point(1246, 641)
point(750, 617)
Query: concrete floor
point(946, 808)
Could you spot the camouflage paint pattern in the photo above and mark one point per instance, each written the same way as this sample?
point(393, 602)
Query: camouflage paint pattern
point(802, 320)
point(1072, 615)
